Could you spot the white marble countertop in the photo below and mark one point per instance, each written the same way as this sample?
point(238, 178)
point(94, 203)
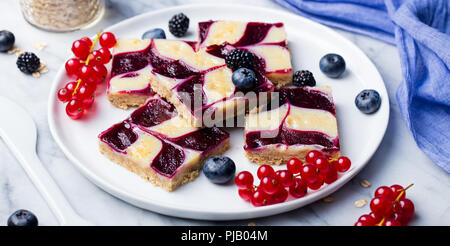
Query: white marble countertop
point(398, 160)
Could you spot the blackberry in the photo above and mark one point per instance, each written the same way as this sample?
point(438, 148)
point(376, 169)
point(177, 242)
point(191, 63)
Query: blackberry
point(179, 25)
point(304, 78)
point(28, 62)
point(240, 58)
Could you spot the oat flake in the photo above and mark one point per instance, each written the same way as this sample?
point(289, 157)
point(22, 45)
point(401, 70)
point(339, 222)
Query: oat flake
point(39, 45)
point(360, 203)
point(365, 183)
point(43, 70)
point(36, 74)
point(18, 51)
point(12, 50)
point(328, 199)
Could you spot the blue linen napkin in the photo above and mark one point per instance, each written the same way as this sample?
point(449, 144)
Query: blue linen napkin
point(421, 31)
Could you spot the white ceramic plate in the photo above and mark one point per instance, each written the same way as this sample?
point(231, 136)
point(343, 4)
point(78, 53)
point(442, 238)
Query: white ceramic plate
point(360, 134)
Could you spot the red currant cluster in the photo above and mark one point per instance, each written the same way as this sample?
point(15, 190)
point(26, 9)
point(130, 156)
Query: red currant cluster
point(297, 178)
point(390, 207)
point(88, 67)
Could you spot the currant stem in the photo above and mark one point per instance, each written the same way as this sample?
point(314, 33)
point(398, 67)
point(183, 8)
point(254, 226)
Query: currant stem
point(87, 60)
point(92, 46)
point(381, 222)
point(76, 87)
point(402, 192)
point(396, 200)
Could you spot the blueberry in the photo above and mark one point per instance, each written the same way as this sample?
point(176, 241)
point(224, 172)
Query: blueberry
point(219, 169)
point(157, 33)
point(368, 101)
point(6, 40)
point(244, 79)
point(22, 217)
point(332, 65)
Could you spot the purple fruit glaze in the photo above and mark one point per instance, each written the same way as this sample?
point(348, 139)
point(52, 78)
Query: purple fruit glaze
point(254, 33)
point(147, 91)
point(168, 160)
point(204, 139)
point(306, 98)
point(119, 137)
point(286, 136)
point(177, 69)
point(300, 97)
point(188, 89)
point(154, 112)
point(203, 28)
point(133, 61)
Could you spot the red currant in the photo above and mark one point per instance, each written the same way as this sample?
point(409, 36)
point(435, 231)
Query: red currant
point(260, 198)
point(298, 188)
point(285, 177)
point(391, 222)
point(315, 185)
point(64, 95)
point(246, 194)
point(312, 155)
point(86, 72)
point(107, 40)
point(397, 189)
point(264, 170)
point(86, 95)
point(309, 173)
point(400, 218)
point(95, 58)
point(74, 109)
point(279, 196)
point(93, 80)
point(244, 180)
point(105, 55)
point(343, 164)
point(91, 86)
point(87, 102)
point(294, 165)
point(376, 218)
point(87, 40)
point(384, 191)
point(269, 184)
point(381, 206)
point(322, 162)
point(70, 87)
point(367, 218)
point(329, 174)
point(404, 207)
point(73, 66)
point(80, 49)
point(362, 223)
point(100, 71)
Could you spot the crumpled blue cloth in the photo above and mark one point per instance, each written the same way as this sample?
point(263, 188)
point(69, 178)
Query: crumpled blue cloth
point(421, 31)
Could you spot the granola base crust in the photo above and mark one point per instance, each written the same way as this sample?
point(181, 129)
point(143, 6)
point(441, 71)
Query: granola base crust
point(281, 79)
point(125, 101)
point(182, 177)
point(275, 155)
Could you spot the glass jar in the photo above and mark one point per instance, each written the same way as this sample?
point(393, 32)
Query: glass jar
point(62, 15)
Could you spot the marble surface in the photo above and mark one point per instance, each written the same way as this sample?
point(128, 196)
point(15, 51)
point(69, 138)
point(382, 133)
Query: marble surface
point(398, 160)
